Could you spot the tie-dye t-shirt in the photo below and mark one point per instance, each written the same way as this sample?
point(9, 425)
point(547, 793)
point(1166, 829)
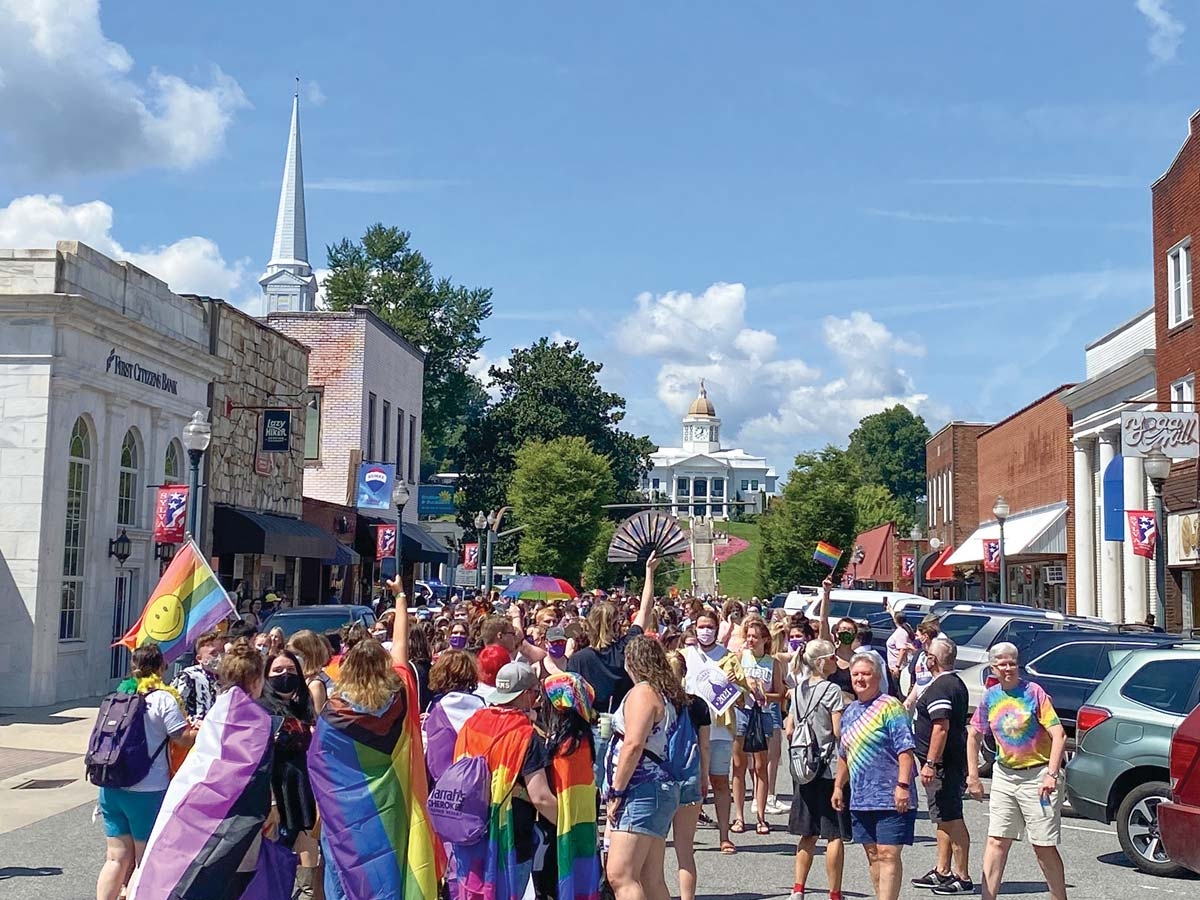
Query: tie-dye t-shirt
point(1019, 719)
point(873, 737)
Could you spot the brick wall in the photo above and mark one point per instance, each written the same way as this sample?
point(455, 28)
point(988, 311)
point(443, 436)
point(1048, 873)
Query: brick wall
point(1028, 458)
point(951, 456)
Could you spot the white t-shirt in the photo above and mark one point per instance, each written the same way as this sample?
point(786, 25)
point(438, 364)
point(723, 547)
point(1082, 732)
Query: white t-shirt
point(896, 643)
point(715, 653)
point(163, 719)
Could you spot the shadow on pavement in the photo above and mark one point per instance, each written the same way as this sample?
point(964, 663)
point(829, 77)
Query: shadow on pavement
point(8, 872)
point(1116, 859)
point(1026, 887)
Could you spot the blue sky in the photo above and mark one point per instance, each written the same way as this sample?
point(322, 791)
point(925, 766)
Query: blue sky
point(821, 208)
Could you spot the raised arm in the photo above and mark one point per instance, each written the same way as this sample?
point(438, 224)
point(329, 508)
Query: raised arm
point(823, 631)
point(400, 623)
point(642, 619)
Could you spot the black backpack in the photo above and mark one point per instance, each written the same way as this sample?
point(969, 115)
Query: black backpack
point(118, 755)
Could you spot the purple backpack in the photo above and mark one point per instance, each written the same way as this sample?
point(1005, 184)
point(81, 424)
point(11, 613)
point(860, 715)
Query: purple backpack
point(460, 802)
point(118, 755)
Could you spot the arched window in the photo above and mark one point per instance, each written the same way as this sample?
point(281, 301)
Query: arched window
point(128, 501)
point(173, 464)
point(79, 473)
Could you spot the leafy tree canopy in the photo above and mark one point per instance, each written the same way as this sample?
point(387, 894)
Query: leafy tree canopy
point(558, 493)
point(874, 505)
point(889, 450)
point(385, 272)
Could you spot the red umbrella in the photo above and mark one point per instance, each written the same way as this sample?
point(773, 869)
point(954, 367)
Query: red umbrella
point(566, 588)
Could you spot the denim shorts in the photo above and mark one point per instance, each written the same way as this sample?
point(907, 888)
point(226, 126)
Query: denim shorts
point(883, 826)
point(743, 718)
point(129, 813)
point(649, 809)
point(720, 758)
point(689, 792)
point(776, 712)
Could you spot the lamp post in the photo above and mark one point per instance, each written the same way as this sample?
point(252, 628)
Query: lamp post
point(915, 536)
point(493, 522)
point(1000, 510)
point(1158, 467)
point(481, 522)
point(400, 496)
point(197, 435)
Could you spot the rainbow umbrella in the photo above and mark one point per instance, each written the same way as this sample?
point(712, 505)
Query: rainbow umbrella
point(538, 587)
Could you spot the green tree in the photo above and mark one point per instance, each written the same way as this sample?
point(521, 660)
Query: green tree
point(598, 572)
point(558, 493)
point(386, 273)
point(549, 390)
point(874, 505)
point(817, 504)
point(889, 449)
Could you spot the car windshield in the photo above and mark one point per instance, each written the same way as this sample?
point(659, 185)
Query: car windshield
point(319, 622)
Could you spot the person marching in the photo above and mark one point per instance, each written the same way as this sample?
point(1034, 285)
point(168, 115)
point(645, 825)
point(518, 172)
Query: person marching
point(941, 735)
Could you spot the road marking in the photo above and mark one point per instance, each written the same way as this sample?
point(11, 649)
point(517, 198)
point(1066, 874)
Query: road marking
point(1146, 887)
point(1093, 830)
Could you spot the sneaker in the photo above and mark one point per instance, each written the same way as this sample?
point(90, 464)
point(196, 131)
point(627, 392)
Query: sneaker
point(955, 885)
point(774, 807)
point(796, 895)
point(932, 879)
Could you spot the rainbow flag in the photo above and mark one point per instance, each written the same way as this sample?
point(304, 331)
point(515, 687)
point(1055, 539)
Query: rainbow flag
point(368, 774)
point(488, 869)
point(188, 601)
point(578, 861)
point(827, 554)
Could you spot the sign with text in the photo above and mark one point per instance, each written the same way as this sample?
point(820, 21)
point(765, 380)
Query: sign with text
point(435, 500)
point(170, 514)
point(276, 431)
point(374, 489)
point(135, 371)
point(1176, 434)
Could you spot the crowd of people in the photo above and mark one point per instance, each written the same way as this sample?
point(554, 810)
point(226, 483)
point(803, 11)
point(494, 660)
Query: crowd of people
point(490, 751)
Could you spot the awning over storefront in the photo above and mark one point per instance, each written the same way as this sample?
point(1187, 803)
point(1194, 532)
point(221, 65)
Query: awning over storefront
point(345, 555)
point(422, 546)
point(877, 554)
point(1036, 532)
point(238, 531)
point(937, 569)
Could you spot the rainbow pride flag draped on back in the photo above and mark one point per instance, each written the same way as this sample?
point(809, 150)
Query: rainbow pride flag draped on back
point(368, 775)
point(578, 861)
point(488, 870)
point(187, 602)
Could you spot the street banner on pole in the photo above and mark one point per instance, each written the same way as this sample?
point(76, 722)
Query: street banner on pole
point(1143, 532)
point(385, 541)
point(470, 556)
point(170, 514)
point(374, 489)
point(991, 555)
point(908, 565)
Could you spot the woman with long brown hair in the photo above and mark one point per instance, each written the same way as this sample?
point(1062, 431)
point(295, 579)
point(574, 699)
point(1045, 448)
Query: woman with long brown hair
point(642, 797)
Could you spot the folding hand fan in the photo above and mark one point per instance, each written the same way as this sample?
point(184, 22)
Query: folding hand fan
point(645, 532)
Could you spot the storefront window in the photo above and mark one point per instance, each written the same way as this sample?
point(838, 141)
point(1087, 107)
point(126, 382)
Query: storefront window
point(173, 464)
point(127, 482)
point(312, 425)
point(79, 470)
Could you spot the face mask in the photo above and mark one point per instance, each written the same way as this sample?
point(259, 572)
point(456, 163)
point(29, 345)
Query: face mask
point(287, 683)
point(212, 663)
point(795, 644)
point(706, 636)
point(458, 641)
point(558, 649)
point(846, 638)
point(265, 649)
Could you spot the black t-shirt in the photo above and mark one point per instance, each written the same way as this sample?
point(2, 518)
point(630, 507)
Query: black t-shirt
point(605, 671)
point(841, 677)
point(945, 698)
point(699, 712)
point(537, 758)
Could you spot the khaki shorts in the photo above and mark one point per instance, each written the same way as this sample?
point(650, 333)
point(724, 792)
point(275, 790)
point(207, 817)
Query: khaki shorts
point(1016, 807)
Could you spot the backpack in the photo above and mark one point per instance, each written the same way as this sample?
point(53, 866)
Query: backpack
point(460, 803)
point(808, 758)
point(682, 761)
point(118, 755)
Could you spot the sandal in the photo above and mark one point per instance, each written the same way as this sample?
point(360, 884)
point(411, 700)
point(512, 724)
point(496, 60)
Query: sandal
point(738, 826)
point(728, 848)
point(763, 828)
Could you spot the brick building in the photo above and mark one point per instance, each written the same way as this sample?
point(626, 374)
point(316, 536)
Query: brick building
point(1175, 200)
point(952, 489)
point(1027, 459)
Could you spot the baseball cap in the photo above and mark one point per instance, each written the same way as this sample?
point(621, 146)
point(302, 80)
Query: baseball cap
point(512, 681)
point(555, 633)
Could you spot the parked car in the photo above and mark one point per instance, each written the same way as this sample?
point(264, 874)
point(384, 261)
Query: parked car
point(1121, 769)
point(320, 618)
point(1179, 818)
point(861, 605)
point(975, 627)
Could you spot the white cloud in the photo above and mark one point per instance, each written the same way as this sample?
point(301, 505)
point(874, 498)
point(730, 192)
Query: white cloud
point(557, 337)
point(479, 368)
point(190, 265)
point(313, 93)
point(1166, 31)
point(70, 104)
point(768, 403)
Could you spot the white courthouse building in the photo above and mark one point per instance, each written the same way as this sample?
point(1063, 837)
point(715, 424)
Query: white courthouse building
point(701, 478)
point(1110, 581)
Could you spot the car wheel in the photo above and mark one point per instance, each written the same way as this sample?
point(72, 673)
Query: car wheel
point(1137, 829)
point(987, 757)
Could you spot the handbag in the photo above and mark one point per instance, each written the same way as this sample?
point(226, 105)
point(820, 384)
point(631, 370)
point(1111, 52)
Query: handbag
point(755, 739)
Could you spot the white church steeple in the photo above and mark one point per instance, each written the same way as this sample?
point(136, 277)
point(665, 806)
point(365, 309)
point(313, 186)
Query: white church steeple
point(288, 284)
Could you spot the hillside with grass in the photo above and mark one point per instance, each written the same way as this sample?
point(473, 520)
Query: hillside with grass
point(737, 572)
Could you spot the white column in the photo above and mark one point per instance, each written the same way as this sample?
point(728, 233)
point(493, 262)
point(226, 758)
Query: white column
point(1110, 561)
point(1134, 566)
point(1085, 525)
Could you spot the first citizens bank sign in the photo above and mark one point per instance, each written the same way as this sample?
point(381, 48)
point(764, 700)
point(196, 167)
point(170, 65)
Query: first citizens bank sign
point(137, 372)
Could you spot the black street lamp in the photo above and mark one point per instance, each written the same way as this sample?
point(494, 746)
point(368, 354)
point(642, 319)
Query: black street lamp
point(400, 498)
point(1158, 468)
point(197, 435)
point(1000, 510)
point(481, 522)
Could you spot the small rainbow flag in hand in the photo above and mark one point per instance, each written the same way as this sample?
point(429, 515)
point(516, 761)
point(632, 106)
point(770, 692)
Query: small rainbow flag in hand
point(828, 554)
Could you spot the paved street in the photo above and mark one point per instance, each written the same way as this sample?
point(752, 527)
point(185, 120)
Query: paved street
point(58, 858)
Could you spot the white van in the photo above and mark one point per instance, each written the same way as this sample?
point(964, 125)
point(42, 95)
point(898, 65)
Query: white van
point(861, 605)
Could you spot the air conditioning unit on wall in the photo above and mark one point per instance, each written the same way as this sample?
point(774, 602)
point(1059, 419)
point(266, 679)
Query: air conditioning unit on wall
point(1056, 574)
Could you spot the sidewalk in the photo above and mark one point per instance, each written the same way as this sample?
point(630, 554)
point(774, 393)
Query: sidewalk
point(41, 761)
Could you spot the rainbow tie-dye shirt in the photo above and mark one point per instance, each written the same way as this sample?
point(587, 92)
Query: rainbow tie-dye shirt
point(1020, 720)
point(873, 737)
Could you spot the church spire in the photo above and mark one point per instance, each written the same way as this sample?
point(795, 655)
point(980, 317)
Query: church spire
point(289, 284)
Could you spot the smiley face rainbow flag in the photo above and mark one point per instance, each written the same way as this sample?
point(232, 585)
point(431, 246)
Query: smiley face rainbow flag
point(188, 601)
